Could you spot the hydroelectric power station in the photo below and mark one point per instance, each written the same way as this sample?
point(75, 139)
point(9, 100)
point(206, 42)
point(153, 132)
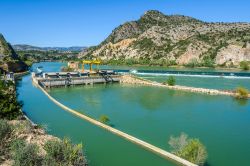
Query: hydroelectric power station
point(76, 76)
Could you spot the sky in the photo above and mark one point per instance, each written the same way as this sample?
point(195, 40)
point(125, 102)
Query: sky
point(89, 22)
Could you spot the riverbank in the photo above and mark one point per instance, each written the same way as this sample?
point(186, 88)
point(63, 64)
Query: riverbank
point(131, 79)
point(24, 143)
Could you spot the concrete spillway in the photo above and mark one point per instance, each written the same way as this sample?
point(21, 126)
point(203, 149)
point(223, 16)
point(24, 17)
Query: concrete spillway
point(52, 79)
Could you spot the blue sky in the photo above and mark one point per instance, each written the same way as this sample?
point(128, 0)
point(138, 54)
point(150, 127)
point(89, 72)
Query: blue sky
point(88, 22)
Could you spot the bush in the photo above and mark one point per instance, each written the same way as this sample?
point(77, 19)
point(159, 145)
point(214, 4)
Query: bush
point(104, 119)
point(23, 127)
point(25, 154)
point(170, 81)
point(190, 149)
point(244, 65)
point(63, 153)
point(241, 93)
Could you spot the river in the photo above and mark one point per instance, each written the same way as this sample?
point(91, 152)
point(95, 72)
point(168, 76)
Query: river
point(152, 114)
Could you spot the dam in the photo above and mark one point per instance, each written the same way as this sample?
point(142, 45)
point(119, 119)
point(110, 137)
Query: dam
point(58, 79)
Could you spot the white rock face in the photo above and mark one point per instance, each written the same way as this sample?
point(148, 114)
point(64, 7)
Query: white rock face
point(233, 54)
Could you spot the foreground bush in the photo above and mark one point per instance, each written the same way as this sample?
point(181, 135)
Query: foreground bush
point(190, 149)
point(170, 81)
point(5, 129)
point(241, 93)
point(25, 154)
point(63, 153)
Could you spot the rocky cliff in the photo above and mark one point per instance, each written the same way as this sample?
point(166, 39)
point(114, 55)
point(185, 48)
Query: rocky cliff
point(9, 60)
point(175, 39)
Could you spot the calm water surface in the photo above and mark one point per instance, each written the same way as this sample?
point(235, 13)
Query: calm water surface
point(150, 113)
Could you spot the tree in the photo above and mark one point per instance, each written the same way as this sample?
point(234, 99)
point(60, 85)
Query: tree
point(104, 119)
point(9, 106)
point(190, 149)
point(244, 65)
point(241, 93)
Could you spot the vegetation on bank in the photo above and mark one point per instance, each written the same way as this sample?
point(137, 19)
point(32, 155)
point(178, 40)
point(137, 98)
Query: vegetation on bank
point(206, 62)
point(16, 147)
point(188, 148)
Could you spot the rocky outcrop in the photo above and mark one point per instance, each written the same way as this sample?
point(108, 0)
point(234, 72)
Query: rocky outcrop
point(233, 54)
point(180, 39)
point(9, 60)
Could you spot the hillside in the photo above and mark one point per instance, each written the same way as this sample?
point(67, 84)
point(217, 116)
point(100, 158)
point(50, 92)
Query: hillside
point(25, 47)
point(174, 39)
point(9, 60)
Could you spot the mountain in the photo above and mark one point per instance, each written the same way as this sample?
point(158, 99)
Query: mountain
point(175, 39)
point(9, 59)
point(25, 47)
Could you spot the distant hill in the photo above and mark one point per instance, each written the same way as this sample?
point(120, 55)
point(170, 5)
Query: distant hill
point(175, 39)
point(9, 59)
point(25, 47)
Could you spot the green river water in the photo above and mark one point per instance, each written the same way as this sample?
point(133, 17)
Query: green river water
point(152, 114)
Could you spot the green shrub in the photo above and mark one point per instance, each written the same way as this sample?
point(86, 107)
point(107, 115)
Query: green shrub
point(63, 153)
point(23, 127)
point(25, 154)
point(170, 81)
point(241, 93)
point(104, 119)
point(190, 149)
point(244, 65)
point(192, 63)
